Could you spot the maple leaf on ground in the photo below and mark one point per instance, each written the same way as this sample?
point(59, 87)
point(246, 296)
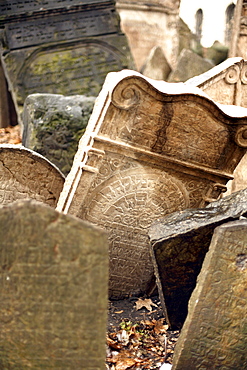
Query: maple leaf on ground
point(147, 303)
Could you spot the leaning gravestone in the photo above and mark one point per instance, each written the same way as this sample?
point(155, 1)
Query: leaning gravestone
point(150, 148)
point(54, 273)
point(25, 174)
point(61, 47)
point(214, 335)
point(53, 125)
point(156, 65)
point(189, 64)
point(179, 244)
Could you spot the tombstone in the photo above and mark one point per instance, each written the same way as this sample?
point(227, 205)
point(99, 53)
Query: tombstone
point(179, 243)
point(227, 84)
point(215, 331)
point(25, 174)
point(53, 291)
point(238, 37)
point(53, 125)
point(148, 25)
point(189, 64)
point(147, 152)
point(63, 47)
point(156, 66)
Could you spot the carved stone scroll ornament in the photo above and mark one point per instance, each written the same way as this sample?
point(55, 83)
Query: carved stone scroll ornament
point(150, 148)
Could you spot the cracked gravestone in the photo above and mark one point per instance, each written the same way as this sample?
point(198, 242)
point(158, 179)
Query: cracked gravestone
point(53, 125)
point(62, 47)
point(150, 148)
point(25, 174)
point(179, 243)
point(54, 273)
point(214, 335)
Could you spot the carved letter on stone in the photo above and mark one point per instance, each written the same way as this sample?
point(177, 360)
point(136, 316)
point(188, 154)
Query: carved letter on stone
point(25, 174)
point(150, 148)
point(214, 335)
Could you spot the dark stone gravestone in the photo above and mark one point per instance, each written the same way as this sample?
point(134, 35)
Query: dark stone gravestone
point(25, 174)
point(53, 125)
point(180, 242)
point(61, 47)
point(54, 273)
point(150, 148)
point(214, 335)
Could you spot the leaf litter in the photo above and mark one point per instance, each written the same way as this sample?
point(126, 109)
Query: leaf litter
point(138, 336)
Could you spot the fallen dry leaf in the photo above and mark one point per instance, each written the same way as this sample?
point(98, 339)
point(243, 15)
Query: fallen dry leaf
point(125, 364)
point(147, 303)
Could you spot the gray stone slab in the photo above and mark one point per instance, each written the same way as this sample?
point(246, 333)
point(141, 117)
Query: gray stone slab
point(189, 64)
point(53, 125)
point(59, 48)
point(180, 242)
point(25, 174)
point(214, 335)
point(54, 275)
point(150, 148)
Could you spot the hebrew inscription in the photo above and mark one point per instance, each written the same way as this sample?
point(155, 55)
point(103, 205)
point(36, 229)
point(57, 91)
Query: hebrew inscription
point(25, 174)
point(143, 156)
point(53, 285)
point(214, 334)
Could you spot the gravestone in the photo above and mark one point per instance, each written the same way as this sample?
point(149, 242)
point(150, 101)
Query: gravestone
point(62, 47)
point(238, 37)
point(156, 66)
point(54, 272)
point(150, 148)
point(53, 125)
point(189, 64)
point(227, 84)
point(25, 174)
point(214, 335)
point(179, 244)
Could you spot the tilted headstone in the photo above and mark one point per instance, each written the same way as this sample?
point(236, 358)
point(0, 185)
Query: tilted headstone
point(227, 84)
point(150, 148)
point(53, 125)
point(189, 64)
point(62, 47)
point(156, 66)
point(54, 273)
point(214, 335)
point(25, 174)
point(179, 244)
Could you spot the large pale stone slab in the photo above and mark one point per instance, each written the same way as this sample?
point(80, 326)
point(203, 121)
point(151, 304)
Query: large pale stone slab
point(54, 274)
point(214, 335)
point(179, 244)
point(25, 174)
point(53, 125)
point(156, 65)
point(150, 148)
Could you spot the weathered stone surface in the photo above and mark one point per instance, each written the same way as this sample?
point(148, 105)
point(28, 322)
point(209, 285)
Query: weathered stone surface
point(53, 125)
point(66, 47)
point(147, 152)
point(156, 66)
point(25, 174)
point(180, 242)
point(227, 84)
point(150, 24)
point(239, 31)
point(189, 64)
point(54, 273)
point(214, 335)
